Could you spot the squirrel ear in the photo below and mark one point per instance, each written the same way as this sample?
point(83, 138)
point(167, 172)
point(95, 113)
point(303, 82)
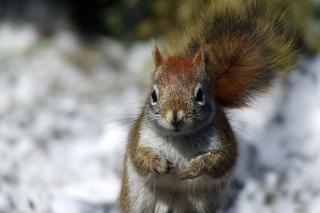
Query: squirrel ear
point(157, 57)
point(201, 59)
point(201, 62)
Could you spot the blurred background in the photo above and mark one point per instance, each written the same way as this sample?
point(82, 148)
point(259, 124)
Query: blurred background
point(72, 77)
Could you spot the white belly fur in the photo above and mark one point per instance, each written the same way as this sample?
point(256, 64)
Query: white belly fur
point(164, 193)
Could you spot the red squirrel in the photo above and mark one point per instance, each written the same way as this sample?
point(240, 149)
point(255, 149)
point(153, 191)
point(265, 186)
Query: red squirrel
point(181, 151)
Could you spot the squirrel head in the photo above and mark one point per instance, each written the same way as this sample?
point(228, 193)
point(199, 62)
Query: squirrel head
point(181, 99)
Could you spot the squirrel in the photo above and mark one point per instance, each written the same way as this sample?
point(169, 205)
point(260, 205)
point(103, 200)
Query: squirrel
point(181, 152)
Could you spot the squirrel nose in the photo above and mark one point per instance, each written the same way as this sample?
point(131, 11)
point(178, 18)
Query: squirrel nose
point(176, 122)
point(176, 117)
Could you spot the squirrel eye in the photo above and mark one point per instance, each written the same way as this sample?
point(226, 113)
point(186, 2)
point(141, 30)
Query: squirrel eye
point(200, 95)
point(154, 97)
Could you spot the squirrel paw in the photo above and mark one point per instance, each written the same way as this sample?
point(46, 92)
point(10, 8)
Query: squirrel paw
point(190, 170)
point(163, 166)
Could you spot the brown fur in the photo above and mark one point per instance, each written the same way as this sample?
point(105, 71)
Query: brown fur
point(247, 48)
point(156, 56)
point(132, 149)
point(221, 161)
point(123, 200)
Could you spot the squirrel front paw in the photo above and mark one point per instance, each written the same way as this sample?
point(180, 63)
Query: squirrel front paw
point(163, 166)
point(191, 170)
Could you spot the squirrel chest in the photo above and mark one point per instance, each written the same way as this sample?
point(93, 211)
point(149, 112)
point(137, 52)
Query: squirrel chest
point(154, 192)
point(179, 150)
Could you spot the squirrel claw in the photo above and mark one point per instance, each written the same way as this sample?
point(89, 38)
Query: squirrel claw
point(163, 166)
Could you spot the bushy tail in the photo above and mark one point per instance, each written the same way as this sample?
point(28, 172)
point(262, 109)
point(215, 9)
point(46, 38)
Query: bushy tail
point(248, 47)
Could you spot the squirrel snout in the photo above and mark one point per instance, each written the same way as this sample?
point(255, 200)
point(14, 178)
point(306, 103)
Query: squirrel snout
point(175, 118)
point(177, 122)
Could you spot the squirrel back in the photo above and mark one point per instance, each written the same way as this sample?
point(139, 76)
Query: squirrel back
point(247, 47)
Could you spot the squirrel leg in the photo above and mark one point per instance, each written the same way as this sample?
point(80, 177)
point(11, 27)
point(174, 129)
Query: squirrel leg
point(146, 162)
point(214, 163)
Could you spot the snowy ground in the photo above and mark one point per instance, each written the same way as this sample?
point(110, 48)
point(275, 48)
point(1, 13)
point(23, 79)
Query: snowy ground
point(65, 109)
point(280, 165)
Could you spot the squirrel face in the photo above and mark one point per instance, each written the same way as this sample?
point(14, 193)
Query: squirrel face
point(181, 98)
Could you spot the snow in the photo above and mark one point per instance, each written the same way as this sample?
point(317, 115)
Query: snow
point(289, 149)
point(14, 39)
point(57, 100)
point(66, 107)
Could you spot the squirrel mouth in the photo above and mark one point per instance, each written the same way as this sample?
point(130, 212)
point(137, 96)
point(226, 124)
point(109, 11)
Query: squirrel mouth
point(176, 128)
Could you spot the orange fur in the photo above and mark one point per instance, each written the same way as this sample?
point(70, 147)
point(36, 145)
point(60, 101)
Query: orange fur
point(247, 49)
